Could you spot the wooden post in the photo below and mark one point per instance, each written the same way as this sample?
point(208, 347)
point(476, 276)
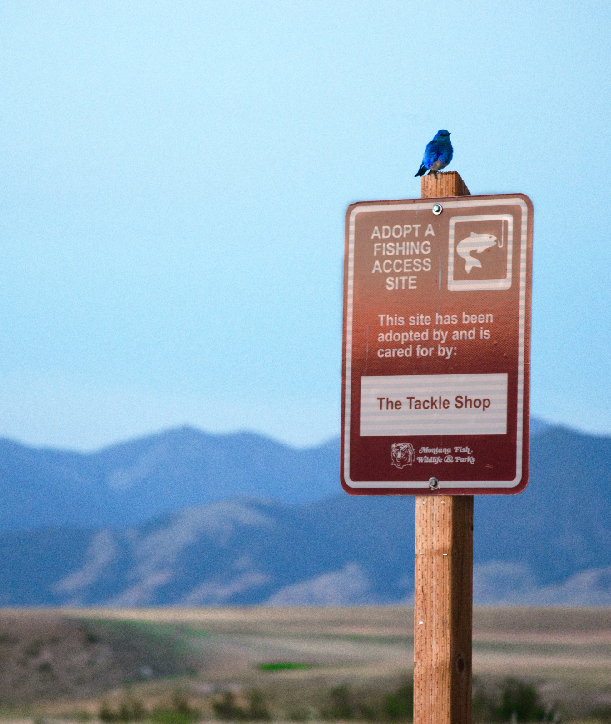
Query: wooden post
point(443, 184)
point(443, 605)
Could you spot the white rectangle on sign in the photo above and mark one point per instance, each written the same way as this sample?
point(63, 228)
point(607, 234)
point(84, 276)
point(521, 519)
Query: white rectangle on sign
point(434, 405)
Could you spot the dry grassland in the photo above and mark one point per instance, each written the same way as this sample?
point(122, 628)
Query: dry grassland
point(55, 663)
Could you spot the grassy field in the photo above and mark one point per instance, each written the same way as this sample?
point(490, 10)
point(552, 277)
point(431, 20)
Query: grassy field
point(174, 666)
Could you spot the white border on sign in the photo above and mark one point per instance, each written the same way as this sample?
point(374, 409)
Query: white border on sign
point(459, 202)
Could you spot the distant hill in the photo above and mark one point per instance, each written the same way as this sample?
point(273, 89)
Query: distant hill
point(550, 544)
point(129, 483)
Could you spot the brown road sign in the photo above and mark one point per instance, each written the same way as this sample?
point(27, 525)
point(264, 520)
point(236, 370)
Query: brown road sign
point(436, 345)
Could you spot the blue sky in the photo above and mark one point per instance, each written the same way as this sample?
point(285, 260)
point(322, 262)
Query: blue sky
point(174, 179)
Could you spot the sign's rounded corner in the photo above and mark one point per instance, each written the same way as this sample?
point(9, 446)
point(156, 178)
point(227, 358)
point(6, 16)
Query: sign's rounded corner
point(527, 200)
point(353, 208)
point(520, 486)
point(348, 488)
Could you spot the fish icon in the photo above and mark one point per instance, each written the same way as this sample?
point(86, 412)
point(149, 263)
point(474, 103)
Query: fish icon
point(476, 243)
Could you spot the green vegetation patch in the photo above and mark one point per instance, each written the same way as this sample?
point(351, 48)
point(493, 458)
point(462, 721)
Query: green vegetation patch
point(282, 666)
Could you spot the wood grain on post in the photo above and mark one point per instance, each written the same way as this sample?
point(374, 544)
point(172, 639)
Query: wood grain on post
point(443, 605)
point(442, 184)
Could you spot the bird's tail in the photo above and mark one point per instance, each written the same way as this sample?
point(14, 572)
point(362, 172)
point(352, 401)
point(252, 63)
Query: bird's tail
point(422, 170)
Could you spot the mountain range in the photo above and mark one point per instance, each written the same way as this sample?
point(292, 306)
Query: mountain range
point(129, 483)
point(189, 518)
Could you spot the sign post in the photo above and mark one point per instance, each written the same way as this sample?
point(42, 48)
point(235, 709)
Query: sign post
point(435, 393)
point(443, 586)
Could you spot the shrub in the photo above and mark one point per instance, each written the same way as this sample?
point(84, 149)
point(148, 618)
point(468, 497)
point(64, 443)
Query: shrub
point(399, 704)
point(341, 705)
point(105, 713)
point(520, 700)
point(129, 710)
point(601, 713)
point(227, 709)
point(179, 711)
point(513, 700)
point(257, 707)
point(299, 714)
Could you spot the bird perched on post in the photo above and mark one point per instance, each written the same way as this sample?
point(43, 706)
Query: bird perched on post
point(437, 154)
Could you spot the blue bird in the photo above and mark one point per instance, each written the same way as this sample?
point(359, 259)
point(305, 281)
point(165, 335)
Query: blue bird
point(437, 154)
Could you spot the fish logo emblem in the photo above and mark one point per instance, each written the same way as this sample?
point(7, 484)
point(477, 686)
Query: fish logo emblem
point(483, 242)
point(475, 244)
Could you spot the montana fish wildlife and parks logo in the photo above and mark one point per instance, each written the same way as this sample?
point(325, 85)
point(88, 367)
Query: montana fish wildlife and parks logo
point(402, 454)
